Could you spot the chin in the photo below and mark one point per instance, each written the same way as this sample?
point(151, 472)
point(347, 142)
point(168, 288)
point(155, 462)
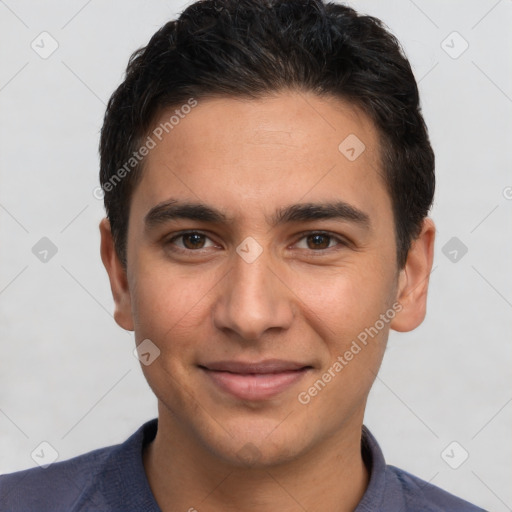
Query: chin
point(248, 454)
point(257, 443)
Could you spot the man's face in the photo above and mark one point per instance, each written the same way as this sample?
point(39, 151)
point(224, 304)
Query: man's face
point(296, 290)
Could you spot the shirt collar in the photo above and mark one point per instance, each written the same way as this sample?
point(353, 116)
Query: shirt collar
point(376, 465)
point(372, 455)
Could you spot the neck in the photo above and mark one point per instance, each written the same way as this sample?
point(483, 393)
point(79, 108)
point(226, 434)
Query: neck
point(184, 475)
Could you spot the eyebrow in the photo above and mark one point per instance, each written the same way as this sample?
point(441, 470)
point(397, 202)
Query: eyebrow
point(173, 209)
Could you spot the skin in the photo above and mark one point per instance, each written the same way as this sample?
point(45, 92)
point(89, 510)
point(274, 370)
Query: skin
point(296, 301)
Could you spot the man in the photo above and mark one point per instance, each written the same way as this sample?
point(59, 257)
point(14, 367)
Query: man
point(267, 176)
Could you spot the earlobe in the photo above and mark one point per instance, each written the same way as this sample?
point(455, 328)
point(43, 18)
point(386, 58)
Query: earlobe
point(414, 280)
point(117, 276)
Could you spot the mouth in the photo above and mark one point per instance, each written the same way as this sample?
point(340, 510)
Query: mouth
point(254, 380)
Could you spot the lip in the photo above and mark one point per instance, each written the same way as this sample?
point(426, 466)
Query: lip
point(255, 380)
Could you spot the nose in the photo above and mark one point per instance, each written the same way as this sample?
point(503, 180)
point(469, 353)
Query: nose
point(254, 299)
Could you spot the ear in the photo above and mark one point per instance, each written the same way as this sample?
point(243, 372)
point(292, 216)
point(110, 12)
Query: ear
point(117, 276)
point(413, 280)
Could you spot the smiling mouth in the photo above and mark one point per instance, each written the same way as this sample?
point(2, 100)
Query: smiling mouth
point(254, 380)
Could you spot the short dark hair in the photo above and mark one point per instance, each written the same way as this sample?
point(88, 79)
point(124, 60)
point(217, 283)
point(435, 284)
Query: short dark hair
point(253, 48)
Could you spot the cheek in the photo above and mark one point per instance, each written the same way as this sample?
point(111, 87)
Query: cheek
point(168, 304)
point(345, 300)
point(171, 310)
point(344, 315)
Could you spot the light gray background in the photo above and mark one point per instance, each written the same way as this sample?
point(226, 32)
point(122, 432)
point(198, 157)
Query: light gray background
point(67, 372)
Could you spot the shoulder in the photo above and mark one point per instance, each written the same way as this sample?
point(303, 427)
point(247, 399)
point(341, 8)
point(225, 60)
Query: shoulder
point(59, 484)
point(103, 479)
point(417, 494)
point(391, 489)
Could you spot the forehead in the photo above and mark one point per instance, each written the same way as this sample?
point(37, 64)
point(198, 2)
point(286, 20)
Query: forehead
point(248, 156)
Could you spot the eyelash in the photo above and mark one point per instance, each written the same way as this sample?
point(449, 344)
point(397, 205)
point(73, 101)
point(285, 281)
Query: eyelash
point(341, 241)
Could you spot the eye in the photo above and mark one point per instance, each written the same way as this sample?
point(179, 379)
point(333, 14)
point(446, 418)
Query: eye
point(319, 241)
point(190, 241)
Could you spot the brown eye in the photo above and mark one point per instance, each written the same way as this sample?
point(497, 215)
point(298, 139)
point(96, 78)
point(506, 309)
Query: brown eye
point(321, 242)
point(318, 241)
point(189, 241)
point(193, 240)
